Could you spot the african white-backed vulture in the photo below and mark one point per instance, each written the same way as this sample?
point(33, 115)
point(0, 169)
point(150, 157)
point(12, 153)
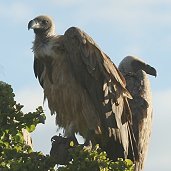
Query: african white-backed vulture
point(83, 88)
point(135, 72)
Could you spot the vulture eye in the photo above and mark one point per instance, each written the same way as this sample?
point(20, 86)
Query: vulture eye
point(44, 21)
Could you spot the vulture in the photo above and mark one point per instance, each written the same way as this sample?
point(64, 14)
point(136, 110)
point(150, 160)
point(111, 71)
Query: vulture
point(135, 73)
point(84, 89)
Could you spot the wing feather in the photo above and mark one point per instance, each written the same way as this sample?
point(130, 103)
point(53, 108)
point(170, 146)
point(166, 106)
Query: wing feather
point(92, 66)
point(94, 70)
point(38, 67)
point(91, 54)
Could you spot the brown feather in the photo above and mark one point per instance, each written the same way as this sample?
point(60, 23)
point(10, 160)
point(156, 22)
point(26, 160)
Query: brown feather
point(84, 88)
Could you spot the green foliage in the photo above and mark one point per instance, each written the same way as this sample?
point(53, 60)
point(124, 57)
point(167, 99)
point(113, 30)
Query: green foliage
point(16, 155)
point(95, 160)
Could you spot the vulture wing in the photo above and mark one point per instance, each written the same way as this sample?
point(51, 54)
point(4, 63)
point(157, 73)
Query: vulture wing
point(106, 89)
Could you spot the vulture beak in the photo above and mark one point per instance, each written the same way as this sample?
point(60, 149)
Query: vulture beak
point(150, 70)
point(139, 65)
point(33, 24)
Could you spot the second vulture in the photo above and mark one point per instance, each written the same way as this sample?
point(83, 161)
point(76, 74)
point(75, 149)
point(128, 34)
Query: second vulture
point(135, 73)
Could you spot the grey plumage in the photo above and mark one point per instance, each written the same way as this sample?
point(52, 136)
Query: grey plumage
point(83, 87)
point(135, 72)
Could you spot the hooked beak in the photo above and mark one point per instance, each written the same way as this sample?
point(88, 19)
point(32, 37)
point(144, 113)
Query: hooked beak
point(139, 65)
point(150, 70)
point(33, 24)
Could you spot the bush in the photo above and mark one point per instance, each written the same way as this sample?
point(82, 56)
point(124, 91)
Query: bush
point(16, 155)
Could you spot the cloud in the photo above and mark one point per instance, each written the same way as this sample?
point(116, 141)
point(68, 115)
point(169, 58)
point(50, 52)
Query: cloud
point(31, 97)
point(15, 11)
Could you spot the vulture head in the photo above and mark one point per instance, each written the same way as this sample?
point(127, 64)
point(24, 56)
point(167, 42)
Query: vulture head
point(42, 25)
point(133, 64)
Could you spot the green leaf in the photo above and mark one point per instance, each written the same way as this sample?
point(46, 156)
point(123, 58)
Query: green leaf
point(30, 128)
point(128, 162)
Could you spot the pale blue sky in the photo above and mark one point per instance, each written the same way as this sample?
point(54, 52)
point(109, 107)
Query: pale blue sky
point(120, 28)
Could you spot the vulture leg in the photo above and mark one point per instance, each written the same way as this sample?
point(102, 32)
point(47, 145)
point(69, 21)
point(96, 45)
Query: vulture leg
point(90, 140)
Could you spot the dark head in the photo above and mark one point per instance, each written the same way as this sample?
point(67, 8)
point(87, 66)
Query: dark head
point(42, 25)
point(133, 64)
